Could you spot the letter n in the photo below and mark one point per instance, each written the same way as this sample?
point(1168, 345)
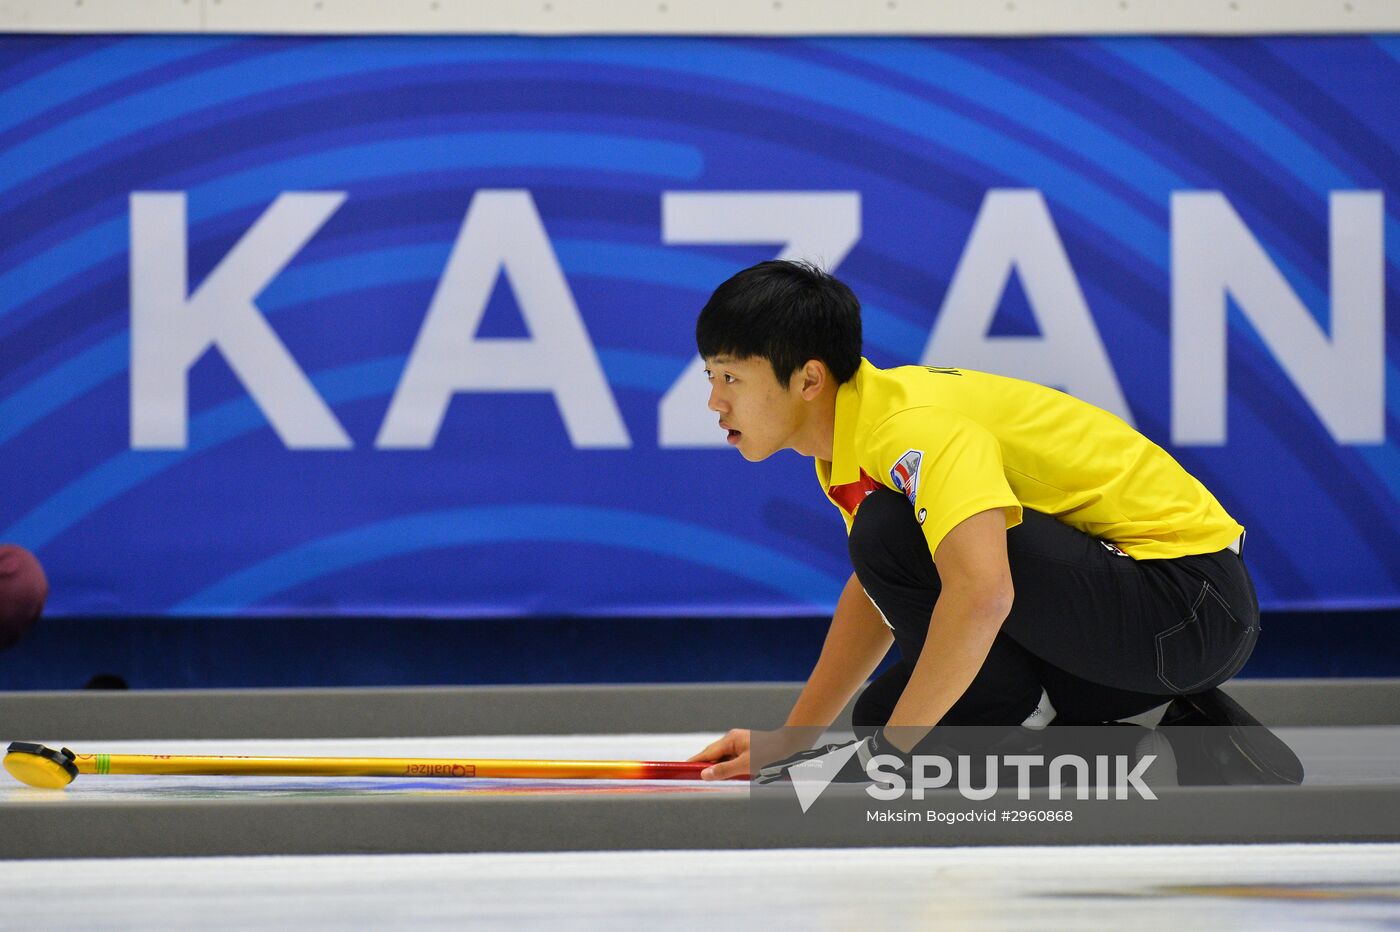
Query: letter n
point(1342, 376)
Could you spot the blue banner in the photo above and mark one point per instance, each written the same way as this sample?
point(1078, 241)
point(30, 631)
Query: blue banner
point(404, 326)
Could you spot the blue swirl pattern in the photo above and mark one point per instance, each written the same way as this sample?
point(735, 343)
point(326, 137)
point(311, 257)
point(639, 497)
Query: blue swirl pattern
point(503, 515)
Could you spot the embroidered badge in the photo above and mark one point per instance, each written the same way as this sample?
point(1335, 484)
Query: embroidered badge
point(923, 513)
point(905, 473)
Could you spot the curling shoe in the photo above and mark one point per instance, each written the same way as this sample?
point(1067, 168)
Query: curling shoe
point(1218, 743)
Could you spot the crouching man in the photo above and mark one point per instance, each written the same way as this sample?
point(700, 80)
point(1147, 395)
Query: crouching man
point(1034, 558)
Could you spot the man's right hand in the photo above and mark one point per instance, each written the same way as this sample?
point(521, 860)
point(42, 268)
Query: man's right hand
point(731, 754)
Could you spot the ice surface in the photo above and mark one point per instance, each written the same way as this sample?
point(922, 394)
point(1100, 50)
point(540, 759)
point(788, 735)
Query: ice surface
point(1139, 888)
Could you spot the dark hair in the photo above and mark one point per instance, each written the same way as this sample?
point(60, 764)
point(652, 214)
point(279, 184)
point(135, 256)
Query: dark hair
point(786, 312)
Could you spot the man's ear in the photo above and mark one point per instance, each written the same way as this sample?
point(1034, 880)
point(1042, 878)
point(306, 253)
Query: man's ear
point(813, 377)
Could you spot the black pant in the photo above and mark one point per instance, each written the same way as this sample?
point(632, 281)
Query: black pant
point(1105, 635)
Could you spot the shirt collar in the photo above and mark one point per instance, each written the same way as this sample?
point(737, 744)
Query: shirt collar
point(844, 465)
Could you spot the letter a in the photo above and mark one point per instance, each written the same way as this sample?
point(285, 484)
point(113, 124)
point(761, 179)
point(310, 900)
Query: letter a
point(1014, 231)
point(503, 232)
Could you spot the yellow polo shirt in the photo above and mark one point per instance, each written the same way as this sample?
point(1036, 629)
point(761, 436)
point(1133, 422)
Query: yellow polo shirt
point(957, 442)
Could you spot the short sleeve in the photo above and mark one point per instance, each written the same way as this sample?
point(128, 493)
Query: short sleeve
point(948, 467)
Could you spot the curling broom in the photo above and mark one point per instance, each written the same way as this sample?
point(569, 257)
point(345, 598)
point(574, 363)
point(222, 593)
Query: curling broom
point(37, 765)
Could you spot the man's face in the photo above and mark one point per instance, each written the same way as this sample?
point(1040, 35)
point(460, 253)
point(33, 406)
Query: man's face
point(759, 412)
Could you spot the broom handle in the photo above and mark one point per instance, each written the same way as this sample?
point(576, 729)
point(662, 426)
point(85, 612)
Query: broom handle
point(223, 765)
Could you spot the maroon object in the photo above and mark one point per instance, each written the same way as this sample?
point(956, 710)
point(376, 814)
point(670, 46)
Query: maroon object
point(23, 589)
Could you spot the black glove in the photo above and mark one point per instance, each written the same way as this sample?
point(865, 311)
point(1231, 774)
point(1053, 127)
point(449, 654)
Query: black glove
point(852, 769)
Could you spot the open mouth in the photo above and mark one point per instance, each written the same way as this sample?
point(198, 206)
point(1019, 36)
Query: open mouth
point(732, 435)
